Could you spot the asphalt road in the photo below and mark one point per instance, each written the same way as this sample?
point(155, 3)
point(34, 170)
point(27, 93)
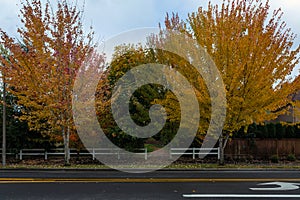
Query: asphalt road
point(108, 184)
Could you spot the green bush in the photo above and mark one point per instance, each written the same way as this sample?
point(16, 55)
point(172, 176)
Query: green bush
point(291, 157)
point(274, 159)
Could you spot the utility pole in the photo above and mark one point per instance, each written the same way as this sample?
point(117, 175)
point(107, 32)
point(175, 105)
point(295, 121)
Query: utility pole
point(4, 124)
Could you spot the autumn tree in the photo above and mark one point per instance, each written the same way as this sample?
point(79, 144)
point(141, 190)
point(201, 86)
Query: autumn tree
point(125, 58)
point(294, 107)
point(254, 53)
point(43, 63)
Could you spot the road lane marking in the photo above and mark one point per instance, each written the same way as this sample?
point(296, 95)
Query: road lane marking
point(283, 186)
point(241, 195)
point(142, 180)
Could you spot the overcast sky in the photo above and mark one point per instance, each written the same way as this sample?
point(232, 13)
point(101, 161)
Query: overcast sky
point(111, 17)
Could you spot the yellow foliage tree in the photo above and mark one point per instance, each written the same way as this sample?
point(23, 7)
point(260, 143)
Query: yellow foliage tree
point(254, 54)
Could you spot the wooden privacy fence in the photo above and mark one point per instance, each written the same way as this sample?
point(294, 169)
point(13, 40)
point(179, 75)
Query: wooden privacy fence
point(263, 148)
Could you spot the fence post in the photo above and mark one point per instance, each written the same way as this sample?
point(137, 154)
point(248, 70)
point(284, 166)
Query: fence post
point(146, 153)
point(170, 153)
point(193, 153)
point(46, 155)
point(21, 156)
point(93, 153)
point(118, 154)
point(199, 154)
point(218, 153)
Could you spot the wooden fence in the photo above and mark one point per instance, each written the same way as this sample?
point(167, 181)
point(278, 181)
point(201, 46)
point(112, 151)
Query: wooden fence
point(262, 148)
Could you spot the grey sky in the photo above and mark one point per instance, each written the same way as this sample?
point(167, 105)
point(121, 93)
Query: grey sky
point(110, 17)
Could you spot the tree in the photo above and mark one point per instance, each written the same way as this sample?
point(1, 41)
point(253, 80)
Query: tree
point(295, 106)
point(42, 66)
point(18, 135)
point(254, 55)
point(124, 59)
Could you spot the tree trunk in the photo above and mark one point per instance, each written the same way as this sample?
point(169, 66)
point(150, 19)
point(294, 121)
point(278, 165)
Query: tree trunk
point(222, 144)
point(221, 161)
point(66, 134)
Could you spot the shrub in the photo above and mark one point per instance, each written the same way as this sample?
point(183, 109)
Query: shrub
point(291, 157)
point(274, 159)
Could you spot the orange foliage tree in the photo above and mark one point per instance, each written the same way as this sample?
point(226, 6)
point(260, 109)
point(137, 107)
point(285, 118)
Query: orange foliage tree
point(42, 66)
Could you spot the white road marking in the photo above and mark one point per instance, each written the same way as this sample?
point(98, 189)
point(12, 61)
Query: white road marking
point(280, 186)
point(241, 195)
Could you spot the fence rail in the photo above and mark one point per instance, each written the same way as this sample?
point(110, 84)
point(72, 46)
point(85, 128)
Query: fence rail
point(110, 151)
point(195, 151)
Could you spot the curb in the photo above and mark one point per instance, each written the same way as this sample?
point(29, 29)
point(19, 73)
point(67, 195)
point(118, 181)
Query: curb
point(143, 169)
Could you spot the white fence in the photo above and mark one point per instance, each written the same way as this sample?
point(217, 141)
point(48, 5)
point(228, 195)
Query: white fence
point(7, 153)
point(195, 151)
point(110, 151)
point(89, 151)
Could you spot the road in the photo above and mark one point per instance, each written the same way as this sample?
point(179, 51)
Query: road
point(109, 184)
